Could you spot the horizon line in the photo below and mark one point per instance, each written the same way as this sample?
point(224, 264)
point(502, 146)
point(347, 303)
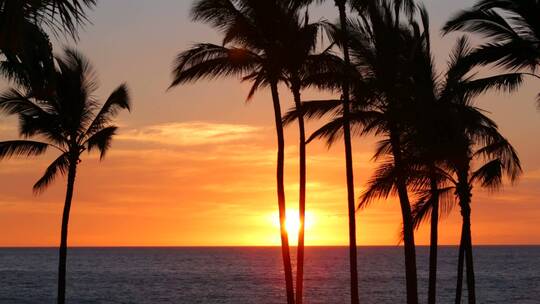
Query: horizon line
point(252, 246)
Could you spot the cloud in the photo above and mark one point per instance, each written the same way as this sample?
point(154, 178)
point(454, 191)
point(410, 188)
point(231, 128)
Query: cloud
point(191, 133)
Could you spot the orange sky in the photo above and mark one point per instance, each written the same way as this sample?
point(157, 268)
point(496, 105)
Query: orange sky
point(195, 165)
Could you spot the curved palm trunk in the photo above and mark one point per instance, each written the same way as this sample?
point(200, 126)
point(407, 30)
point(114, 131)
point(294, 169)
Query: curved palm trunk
point(64, 234)
point(464, 193)
point(433, 244)
point(353, 259)
point(285, 250)
point(408, 227)
point(302, 197)
point(461, 256)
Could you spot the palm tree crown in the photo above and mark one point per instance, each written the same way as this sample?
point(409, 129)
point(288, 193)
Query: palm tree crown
point(70, 120)
point(511, 30)
point(24, 42)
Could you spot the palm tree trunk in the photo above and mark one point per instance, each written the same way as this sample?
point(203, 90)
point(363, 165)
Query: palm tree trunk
point(302, 196)
point(353, 259)
point(433, 245)
point(408, 227)
point(64, 234)
point(409, 245)
point(285, 250)
point(461, 256)
point(464, 191)
point(471, 288)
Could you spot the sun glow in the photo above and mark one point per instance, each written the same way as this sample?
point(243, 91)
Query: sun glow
point(292, 224)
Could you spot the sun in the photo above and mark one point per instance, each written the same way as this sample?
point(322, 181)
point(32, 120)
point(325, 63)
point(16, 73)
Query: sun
point(292, 224)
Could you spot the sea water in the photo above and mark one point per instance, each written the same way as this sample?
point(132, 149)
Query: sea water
point(255, 275)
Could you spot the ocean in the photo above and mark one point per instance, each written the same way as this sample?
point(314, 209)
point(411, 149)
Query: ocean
point(236, 275)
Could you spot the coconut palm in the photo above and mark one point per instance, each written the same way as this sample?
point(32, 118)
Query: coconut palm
point(365, 90)
point(301, 69)
point(300, 41)
point(24, 41)
point(386, 73)
point(512, 31)
point(71, 121)
point(432, 140)
point(252, 50)
point(345, 104)
point(474, 141)
point(58, 16)
point(440, 145)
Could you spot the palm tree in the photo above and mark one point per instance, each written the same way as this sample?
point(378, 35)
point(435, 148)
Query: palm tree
point(301, 69)
point(300, 41)
point(421, 145)
point(70, 121)
point(361, 35)
point(386, 72)
point(345, 104)
point(511, 29)
point(24, 41)
point(353, 255)
point(253, 49)
point(499, 156)
point(431, 142)
point(59, 16)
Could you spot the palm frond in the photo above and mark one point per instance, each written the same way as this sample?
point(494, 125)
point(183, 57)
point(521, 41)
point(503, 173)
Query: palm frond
point(314, 109)
point(380, 185)
point(505, 153)
point(14, 102)
point(101, 140)
point(514, 55)
point(331, 132)
point(487, 23)
point(421, 210)
point(489, 175)
point(118, 100)
point(503, 82)
point(383, 149)
point(63, 15)
point(58, 166)
point(25, 148)
point(212, 61)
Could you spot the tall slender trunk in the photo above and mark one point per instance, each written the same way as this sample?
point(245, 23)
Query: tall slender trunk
point(471, 288)
point(302, 196)
point(465, 194)
point(461, 256)
point(353, 259)
point(433, 245)
point(285, 250)
point(64, 233)
point(408, 227)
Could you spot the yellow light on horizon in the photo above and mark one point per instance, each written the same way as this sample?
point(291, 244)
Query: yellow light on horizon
point(292, 224)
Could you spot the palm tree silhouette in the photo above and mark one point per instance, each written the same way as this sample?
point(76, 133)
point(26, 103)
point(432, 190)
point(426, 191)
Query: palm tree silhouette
point(300, 41)
point(345, 104)
point(431, 139)
point(386, 73)
point(360, 32)
point(477, 139)
point(346, 101)
point(24, 41)
point(69, 120)
point(254, 49)
point(511, 29)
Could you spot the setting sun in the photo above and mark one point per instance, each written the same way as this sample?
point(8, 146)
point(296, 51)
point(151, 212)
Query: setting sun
point(292, 223)
point(165, 151)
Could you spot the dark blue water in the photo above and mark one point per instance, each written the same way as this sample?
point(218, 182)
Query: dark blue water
point(254, 275)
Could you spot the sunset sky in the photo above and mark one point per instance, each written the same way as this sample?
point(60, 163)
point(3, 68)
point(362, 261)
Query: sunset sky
point(195, 166)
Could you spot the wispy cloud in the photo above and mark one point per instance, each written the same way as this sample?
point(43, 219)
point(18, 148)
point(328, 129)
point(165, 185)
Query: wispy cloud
point(191, 133)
